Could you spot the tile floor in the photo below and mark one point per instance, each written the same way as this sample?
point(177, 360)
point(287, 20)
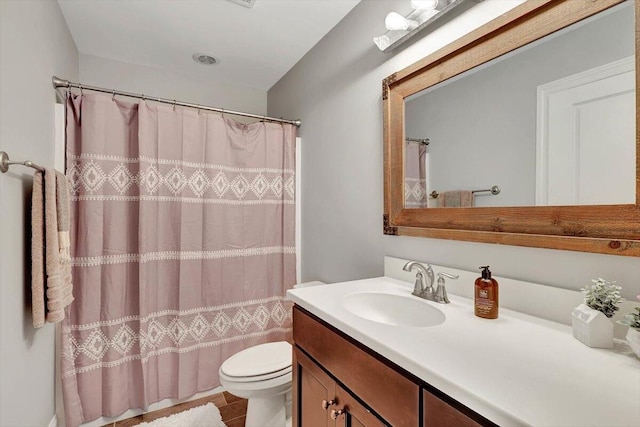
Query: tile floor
point(233, 410)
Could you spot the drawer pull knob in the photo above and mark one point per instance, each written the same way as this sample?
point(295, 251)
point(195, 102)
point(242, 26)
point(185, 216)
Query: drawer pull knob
point(335, 414)
point(327, 403)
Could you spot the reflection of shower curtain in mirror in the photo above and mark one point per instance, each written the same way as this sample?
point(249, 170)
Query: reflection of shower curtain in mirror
point(183, 248)
point(415, 180)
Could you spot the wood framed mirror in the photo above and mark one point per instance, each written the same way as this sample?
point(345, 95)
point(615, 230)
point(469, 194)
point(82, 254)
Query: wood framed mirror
point(602, 227)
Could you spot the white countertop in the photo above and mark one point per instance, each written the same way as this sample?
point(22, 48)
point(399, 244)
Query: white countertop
point(515, 370)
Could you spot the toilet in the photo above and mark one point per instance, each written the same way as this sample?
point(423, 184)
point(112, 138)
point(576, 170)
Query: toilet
point(261, 374)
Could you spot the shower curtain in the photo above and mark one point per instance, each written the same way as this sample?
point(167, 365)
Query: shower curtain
point(415, 180)
point(182, 246)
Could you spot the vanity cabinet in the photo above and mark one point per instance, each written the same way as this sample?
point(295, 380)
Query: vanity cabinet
point(359, 387)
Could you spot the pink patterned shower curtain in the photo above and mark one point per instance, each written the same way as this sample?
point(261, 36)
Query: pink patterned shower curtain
point(415, 180)
point(183, 248)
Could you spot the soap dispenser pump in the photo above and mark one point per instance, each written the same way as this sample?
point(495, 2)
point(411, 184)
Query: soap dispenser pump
point(486, 295)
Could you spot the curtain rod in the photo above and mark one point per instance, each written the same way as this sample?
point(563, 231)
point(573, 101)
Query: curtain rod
point(424, 141)
point(61, 83)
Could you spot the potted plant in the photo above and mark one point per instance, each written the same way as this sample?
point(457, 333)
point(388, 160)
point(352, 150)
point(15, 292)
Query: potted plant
point(632, 320)
point(590, 320)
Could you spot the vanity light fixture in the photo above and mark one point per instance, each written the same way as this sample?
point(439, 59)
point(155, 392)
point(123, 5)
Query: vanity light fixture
point(401, 28)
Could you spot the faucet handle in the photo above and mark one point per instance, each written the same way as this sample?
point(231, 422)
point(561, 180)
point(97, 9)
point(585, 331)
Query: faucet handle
point(418, 287)
point(450, 276)
point(441, 291)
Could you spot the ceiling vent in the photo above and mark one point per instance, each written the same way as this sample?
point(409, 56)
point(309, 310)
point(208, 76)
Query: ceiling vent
point(204, 59)
point(245, 3)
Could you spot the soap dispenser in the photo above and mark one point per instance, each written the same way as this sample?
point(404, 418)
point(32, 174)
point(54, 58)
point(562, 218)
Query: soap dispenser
point(486, 295)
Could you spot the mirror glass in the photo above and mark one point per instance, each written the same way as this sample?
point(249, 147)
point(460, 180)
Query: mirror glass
point(550, 124)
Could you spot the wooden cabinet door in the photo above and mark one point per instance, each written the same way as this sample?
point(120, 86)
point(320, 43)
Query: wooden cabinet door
point(438, 413)
point(319, 402)
point(352, 413)
point(314, 393)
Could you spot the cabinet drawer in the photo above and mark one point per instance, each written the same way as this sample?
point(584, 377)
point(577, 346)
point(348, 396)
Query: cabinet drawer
point(394, 397)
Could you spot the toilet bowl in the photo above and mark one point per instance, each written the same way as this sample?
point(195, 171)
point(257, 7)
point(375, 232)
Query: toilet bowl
point(261, 374)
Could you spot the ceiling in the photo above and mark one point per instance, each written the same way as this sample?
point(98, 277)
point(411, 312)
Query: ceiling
point(254, 47)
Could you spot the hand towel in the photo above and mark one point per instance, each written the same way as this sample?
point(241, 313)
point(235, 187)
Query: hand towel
point(455, 199)
point(51, 285)
point(37, 251)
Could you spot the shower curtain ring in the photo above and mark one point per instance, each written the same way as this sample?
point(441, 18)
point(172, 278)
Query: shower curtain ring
point(198, 109)
point(174, 105)
point(113, 95)
point(81, 92)
point(143, 98)
point(222, 112)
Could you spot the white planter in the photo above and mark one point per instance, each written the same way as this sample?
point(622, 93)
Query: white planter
point(633, 338)
point(592, 327)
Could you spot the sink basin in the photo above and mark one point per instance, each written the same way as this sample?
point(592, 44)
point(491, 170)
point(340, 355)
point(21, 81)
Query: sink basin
point(392, 309)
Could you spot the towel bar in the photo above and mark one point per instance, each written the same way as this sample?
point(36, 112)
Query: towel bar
point(5, 163)
point(495, 190)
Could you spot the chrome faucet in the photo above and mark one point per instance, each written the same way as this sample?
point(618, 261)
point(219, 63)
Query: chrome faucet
point(423, 287)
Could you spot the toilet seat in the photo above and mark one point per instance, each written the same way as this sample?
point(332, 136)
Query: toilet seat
point(259, 378)
point(259, 363)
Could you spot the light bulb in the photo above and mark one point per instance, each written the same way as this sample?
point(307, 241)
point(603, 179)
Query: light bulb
point(428, 4)
point(395, 21)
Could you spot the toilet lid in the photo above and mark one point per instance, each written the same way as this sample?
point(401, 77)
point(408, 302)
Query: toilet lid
point(259, 360)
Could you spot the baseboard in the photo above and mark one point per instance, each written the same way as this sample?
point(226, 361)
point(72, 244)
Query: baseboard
point(53, 422)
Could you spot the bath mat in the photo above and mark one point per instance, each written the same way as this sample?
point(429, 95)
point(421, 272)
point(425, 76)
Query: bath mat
point(200, 416)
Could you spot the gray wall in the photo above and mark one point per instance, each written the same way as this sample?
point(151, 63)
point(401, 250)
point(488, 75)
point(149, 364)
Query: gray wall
point(152, 81)
point(335, 90)
point(34, 45)
point(483, 127)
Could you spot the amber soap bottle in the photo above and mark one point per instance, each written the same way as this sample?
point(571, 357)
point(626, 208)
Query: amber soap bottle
point(486, 295)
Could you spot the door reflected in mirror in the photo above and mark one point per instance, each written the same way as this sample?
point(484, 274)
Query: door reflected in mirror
point(550, 124)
